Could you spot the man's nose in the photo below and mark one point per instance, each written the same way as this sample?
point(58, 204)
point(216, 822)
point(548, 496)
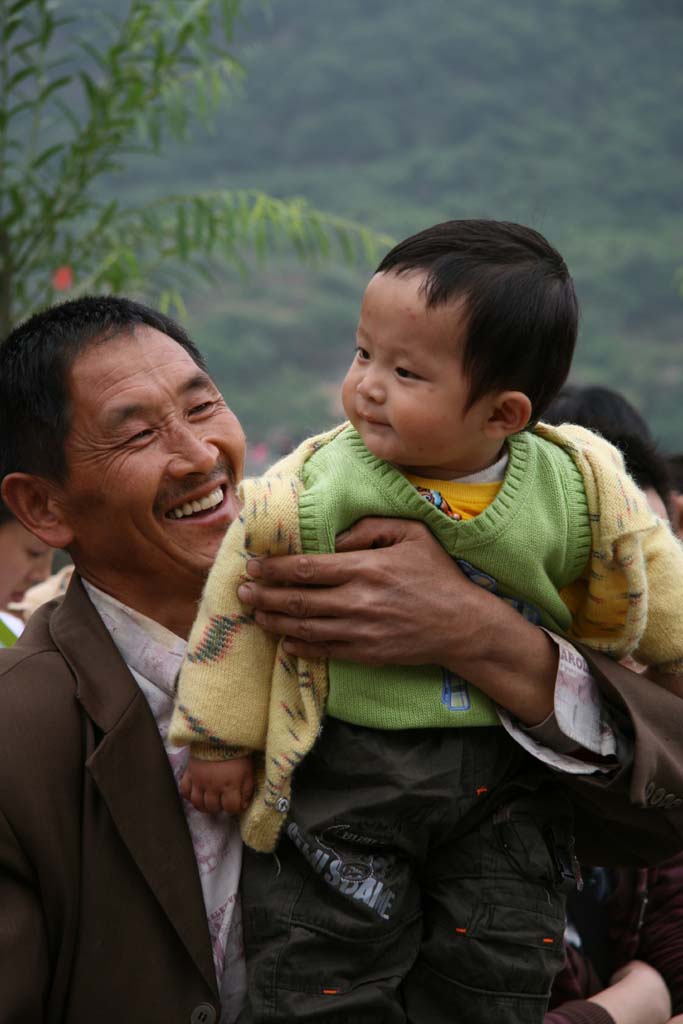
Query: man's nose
point(371, 387)
point(191, 453)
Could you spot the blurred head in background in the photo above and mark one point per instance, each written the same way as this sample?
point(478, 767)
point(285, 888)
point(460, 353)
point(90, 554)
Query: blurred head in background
point(24, 560)
point(611, 415)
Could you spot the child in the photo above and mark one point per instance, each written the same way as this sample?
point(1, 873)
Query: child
point(466, 334)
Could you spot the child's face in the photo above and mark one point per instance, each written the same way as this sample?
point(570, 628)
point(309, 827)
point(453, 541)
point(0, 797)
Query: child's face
point(405, 392)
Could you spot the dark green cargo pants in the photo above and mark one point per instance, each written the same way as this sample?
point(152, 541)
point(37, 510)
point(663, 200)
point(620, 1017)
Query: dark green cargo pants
point(420, 877)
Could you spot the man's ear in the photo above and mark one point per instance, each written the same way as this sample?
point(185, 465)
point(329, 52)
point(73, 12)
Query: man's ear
point(509, 413)
point(35, 503)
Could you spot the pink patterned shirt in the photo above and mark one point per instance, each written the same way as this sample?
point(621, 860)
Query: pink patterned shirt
point(153, 655)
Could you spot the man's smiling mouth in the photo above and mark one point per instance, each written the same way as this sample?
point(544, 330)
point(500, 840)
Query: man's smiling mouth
point(192, 508)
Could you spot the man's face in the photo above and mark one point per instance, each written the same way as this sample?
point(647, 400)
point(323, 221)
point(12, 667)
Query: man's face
point(153, 455)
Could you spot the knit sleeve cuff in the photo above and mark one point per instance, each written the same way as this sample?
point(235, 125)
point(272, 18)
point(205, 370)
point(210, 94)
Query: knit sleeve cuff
point(579, 1012)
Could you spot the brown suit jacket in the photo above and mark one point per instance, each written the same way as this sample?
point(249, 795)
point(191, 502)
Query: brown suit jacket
point(101, 911)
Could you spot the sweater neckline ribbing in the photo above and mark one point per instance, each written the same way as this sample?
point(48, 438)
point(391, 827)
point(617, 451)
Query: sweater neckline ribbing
point(492, 521)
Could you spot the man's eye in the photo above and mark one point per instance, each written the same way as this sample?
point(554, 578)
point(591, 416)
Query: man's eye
point(202, 407)
point(141, 434)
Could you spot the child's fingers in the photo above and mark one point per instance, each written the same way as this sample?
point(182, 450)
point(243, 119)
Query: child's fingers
point(247, 790)
point(212, 801)
point(186, 786)
point(230, 801)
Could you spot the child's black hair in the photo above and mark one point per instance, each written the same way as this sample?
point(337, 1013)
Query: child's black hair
point(521, 307)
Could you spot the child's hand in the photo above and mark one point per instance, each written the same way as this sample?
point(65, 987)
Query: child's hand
point(214, 786)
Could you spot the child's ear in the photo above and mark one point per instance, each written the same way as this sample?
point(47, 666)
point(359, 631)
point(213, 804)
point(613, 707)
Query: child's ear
point(509, 413)
point(35, 503)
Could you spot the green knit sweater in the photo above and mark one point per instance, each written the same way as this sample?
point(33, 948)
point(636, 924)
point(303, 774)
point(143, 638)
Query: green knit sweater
point(532, 540)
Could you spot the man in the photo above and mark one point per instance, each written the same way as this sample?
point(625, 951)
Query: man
point(114, 900)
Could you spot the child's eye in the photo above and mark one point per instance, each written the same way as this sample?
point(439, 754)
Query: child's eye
point(362, 353)
point(408, 374)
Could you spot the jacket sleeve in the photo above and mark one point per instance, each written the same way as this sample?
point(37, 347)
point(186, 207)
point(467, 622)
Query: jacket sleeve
point(633, 815)
point(578, 1012)
point(24, 967)
point(661, 644)
point(221, 708)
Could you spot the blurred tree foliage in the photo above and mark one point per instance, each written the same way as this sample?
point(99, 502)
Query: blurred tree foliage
point(83, 89)
point(566, 116)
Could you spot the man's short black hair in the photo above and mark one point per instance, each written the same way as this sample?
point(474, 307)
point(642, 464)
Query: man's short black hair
point(35, 360)
point(522, 311)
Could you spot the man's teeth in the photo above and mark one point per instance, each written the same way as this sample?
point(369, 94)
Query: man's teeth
point(190, 507)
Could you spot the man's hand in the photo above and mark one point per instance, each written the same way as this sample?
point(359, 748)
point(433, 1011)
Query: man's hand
point(391, 595)
point(379, 600)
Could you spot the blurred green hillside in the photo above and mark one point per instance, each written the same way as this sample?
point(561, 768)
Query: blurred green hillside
point(564, 115)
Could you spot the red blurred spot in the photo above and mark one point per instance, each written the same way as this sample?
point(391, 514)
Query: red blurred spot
point(259, 453)
point(63, 279)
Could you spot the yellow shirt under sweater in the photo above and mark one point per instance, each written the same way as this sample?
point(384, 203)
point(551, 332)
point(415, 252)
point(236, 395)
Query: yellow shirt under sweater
point(467, 500)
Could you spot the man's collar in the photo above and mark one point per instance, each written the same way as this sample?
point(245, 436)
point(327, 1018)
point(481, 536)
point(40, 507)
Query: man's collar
point(145, 645)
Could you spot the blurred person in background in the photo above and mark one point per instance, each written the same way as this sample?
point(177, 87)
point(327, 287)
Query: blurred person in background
point(24, 561)
point(624, 938)
point(611, 415)
point(597, 408)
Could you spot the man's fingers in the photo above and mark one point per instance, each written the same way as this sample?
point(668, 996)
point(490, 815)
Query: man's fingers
point(297, 604)
point(378, 533)
point(323, 631)
point(288, 570)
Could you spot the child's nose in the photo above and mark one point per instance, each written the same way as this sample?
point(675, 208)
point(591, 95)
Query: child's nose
point(371, 388)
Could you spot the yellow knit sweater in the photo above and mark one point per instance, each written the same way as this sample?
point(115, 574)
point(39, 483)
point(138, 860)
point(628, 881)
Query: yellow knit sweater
point(238, 691)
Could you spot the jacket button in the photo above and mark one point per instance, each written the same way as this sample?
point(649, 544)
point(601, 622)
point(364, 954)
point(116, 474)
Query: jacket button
point(282, 805)
point(203, 1013)
point(657, 797)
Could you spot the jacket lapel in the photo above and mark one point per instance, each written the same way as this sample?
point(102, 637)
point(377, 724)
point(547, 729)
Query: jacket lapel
point(130, 768)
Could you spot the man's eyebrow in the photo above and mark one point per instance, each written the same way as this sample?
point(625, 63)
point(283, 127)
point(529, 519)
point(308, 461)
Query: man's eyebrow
point(195, 382)
point(120, 415)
